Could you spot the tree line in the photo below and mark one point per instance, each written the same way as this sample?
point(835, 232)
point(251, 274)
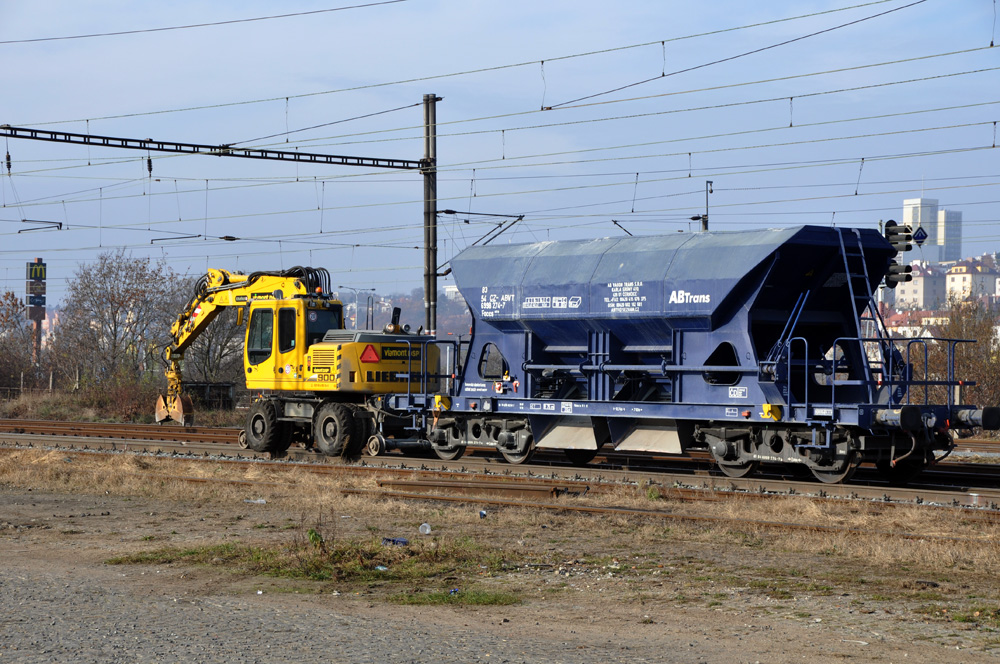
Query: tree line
point(116, 321)
point(119, 309)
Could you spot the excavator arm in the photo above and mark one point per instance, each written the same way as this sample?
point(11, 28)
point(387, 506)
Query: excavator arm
point(214, 291)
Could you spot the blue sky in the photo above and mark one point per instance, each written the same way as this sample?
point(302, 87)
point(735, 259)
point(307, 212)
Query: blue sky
point(838, 125)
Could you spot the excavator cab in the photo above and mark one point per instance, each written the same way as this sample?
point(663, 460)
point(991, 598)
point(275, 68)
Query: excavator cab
point(280, 336)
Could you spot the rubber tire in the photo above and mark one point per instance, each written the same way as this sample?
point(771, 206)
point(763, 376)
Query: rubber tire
point(333, 429)
point(262, 428)
point(364, 427)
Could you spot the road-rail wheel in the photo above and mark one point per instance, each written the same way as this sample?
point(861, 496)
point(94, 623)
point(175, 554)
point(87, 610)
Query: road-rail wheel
point(375, 445)
point(333, 429)
point(263, 431)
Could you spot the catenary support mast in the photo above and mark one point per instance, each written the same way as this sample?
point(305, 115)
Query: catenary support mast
point(427, 166)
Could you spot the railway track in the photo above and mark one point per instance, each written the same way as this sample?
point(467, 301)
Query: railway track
point(972, 485)
point(121, 431)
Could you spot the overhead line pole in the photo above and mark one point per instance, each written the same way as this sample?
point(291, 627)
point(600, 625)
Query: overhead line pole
point(430, 213)
point(427, 166)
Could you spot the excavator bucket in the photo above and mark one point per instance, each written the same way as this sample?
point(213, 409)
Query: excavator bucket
point(179, 409)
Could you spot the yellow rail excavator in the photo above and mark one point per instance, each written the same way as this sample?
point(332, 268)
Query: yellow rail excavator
point(318, 382)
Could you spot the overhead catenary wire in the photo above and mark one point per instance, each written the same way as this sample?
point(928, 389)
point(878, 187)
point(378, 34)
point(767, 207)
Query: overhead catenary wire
point(872, 158)
point(480, 70)
point(958, 133)
point(675, 93)
point(739, 55)
point(140, 31)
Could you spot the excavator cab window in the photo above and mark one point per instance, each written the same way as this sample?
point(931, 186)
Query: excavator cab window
point(318, 321)
point(286, 330)
point(260, 336)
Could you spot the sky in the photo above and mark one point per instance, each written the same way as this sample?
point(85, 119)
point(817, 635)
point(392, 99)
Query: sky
point(562, 119)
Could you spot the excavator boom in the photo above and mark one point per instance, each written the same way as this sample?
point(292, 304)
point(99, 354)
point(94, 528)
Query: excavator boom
point(214, 291)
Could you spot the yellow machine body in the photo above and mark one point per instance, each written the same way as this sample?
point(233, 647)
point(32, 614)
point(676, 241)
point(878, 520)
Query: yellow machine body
point(292, 345)
point(296, 341)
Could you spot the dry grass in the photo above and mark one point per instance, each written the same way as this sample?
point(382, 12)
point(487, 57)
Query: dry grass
point(949, 574)
point(133, 403)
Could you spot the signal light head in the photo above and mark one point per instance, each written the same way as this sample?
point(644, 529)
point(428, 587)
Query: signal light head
point(898, 273)
point(899, 236)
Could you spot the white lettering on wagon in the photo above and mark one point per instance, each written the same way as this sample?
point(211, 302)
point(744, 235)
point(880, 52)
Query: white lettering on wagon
point(684, 297)
point(625, 297)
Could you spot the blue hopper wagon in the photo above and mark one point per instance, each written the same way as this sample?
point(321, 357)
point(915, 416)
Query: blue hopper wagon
point(757, 346)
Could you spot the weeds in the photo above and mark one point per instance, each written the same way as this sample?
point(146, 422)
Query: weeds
point(350, 562)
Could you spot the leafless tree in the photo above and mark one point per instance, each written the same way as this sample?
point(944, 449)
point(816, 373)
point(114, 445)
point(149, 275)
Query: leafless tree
point(117, 317)
point(217, 354)
point(16, 340)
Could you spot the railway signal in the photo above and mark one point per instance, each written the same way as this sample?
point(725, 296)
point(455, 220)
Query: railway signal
point(899, 236)
point(898, 274)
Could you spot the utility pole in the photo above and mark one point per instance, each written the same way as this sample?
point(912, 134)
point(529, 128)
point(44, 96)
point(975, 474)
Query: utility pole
point(427, 166)
point(430, 213)
point(703, 218)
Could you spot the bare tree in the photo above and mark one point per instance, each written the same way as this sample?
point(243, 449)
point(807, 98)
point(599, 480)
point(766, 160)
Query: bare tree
point(977, 362)
point(16, 340)
point(217, 354)
point(117, 317)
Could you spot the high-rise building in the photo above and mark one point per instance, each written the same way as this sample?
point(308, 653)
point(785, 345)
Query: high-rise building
point(949, 234)
point(923, 213)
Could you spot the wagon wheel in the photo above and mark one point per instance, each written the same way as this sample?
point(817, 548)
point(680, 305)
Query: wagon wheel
point(450, 452)
point(840, 471)
point(514, 457)
point(734, 468)
point(737, 469)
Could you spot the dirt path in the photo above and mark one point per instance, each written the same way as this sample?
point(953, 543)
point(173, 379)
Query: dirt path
point(61, 602)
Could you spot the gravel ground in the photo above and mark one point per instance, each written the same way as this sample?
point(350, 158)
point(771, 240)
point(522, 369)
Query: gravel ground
point(60, 602)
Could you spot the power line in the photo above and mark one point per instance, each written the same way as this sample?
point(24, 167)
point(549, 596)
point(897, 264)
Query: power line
point(467, 72)
point(197, 25)
point(736, 57)
point(327, 124)
point(715, 172)
point(630, 116)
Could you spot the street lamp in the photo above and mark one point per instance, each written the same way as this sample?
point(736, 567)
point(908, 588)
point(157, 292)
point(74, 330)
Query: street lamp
point(356, 291)
point(703, 218)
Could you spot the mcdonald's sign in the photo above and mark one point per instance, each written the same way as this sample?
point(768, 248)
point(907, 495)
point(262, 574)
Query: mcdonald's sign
point(36, 270)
